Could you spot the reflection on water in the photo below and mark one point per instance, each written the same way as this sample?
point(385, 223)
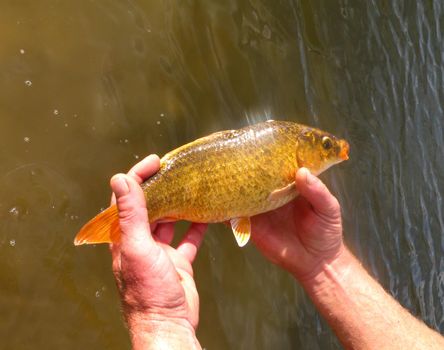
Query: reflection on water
point(86, 89)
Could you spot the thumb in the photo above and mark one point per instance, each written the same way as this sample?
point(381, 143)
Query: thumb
point(133, 216)
point(317, 194)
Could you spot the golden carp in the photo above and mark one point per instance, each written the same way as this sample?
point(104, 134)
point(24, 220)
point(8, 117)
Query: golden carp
point(228, 176)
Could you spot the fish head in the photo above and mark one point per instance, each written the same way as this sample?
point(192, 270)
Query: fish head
point(318, 150)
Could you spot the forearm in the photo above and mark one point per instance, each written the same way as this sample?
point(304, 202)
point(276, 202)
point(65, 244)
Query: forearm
point(156, 334)
point(361, 313)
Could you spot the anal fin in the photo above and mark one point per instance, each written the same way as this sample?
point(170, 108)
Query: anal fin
point(241, 229)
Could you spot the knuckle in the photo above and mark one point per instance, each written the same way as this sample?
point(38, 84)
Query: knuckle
point(130, 215)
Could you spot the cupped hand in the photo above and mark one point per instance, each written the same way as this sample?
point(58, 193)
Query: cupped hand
point(304, 234)
point(154, 279)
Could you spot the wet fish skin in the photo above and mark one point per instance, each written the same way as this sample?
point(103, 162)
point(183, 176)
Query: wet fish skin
point(233, 174)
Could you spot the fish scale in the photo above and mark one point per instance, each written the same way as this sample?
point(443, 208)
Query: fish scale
point(251, 164)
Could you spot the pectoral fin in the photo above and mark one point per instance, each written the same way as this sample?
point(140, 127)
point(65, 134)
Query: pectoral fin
point(283, 192)
point(241, 229)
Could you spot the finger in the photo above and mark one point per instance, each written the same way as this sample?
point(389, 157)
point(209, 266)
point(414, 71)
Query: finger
point(145, 168)
point(164, 233)
point(153, 226)
point(133, 217)
point(192, 241)
point(317, 194)
point(142, 170)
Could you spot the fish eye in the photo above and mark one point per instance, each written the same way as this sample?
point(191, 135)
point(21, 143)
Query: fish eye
point(327, 143)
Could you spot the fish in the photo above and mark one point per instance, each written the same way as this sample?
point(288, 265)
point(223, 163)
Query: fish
point(228, 176)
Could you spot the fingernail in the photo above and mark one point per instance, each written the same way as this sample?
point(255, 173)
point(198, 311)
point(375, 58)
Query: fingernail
point(119, 185)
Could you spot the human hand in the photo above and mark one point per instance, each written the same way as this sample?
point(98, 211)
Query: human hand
point(305, 234)
point(155, 280)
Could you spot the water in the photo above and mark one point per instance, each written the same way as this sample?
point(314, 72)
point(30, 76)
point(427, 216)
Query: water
point(87, 89)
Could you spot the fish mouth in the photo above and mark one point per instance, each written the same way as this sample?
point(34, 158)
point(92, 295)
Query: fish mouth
point(345, 148)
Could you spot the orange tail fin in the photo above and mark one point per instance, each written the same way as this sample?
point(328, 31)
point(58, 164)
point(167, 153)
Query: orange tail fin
point(103, 228)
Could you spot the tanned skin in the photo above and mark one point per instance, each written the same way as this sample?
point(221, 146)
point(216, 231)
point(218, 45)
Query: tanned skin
point(159, 296)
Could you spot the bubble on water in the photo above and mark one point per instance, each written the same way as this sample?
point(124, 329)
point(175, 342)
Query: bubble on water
point(158, 122)
point(14, 211)
point(12, 242)
point(126, 141)
point(27, 139)
point(28, 82)
point(22, 51)
point(75, 115)
point(162, 114)
point(136, 156)
point(56, 112)
point(98, 294)
point(66, 125)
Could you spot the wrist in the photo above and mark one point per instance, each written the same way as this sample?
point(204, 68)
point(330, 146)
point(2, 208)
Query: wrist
point(330, 272)
point(157, 332)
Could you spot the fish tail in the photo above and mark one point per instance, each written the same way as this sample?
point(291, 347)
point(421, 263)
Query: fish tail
point(103, 228)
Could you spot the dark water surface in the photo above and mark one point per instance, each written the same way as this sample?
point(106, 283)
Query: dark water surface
point(87, 88)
